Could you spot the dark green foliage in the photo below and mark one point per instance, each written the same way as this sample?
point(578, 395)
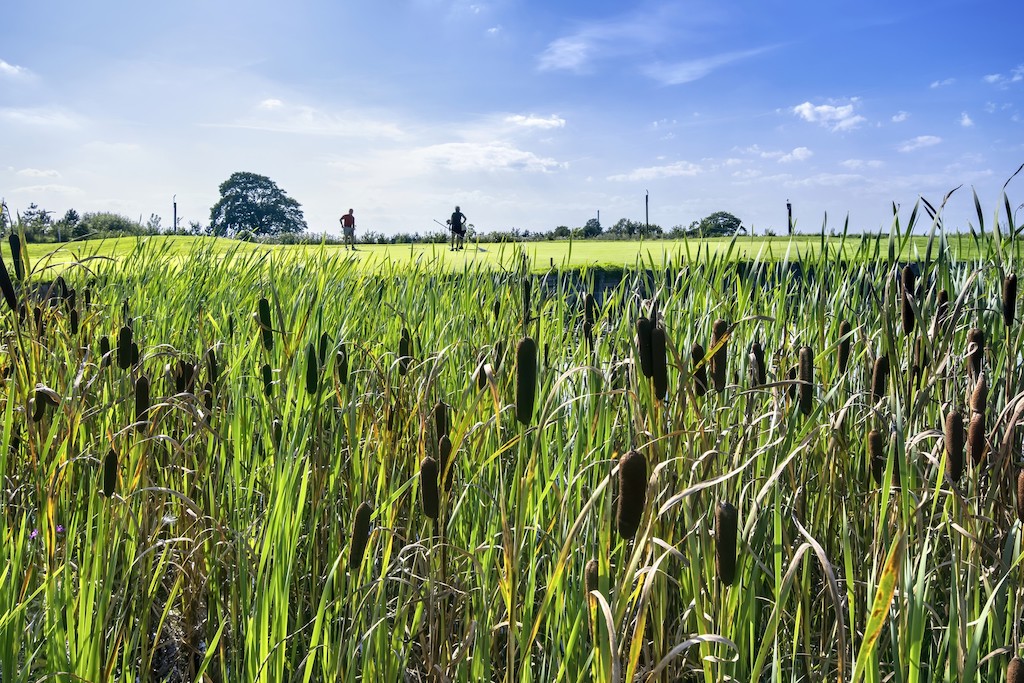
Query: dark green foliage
point(253, 203)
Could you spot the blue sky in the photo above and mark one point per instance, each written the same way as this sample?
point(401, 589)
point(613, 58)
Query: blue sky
point(528, 114)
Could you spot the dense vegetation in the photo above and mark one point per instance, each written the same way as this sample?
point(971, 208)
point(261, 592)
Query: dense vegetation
point(253, 467)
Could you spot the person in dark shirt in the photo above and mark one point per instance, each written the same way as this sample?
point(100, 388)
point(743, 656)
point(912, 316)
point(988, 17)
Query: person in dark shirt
point(348, 227)
point(458, 225)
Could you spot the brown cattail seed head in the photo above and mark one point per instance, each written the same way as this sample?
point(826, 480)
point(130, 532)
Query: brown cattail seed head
point(643, 344)
point(110, 474)
point(268, 378)
point(1009, 299)
point(953, 438)
point(632, 493)
point(700, 371)
point(844, 345)
point(659, 356)
point(719, 330)
point(312, 370)
point(428, 487)
point(877, 455)
point(211, 365)
point(907, 293)
point(979, 397)
point(404, 351)
point(976, 445)
point(7, 287)
point(526, 302)
point(1015, 670)
point(806, 377)
point(726, 522)
point(589, 317)
point(124, 348)
point(591, 577)
point(142, 399)
point(879, 378)
point(941, 308)
point(325, 341)
point(757, 370)
point(360, 535)
point(444, 459)
point(441, 425)
point(526, 378)
point(73, 317)
point(266, 330)
point(1020, 500)
point(104, 350)
point(975, 350)
point(16, 255)
point(792, 376)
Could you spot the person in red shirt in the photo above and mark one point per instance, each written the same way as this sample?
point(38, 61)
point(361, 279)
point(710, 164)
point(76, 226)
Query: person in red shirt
point(348, 227)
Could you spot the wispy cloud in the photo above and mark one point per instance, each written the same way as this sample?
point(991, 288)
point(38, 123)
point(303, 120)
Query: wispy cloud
point(38, 173)
point(277, 116)
point(900, 117)
point(489, 156)
point(695, 69)
point(13, 71)
point(540, 122)
point(832, 116)
point(798, 154)
point(857, 164)
point(1016, 76)
point(43, 117)
point(679, 168)
point(48, 189)
point(943, 83)
point(965, 120)
point(920, 142)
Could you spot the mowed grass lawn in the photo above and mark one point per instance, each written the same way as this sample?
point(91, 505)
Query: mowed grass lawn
point(543, 255)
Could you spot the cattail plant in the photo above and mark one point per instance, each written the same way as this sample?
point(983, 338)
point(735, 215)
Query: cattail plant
point(266, 330)
point(953, 439)
point(7, 287)
point(726, 522)
point(441, 425)
point(110, 474)
point(17, 256)
point(360, 535)
point(877, 454)
point(806, 377)
point(1015, 669)
point(325, 342)
point(73, 320)
point(526, 304)
point(404, 351)
point(979, 397)
point(135, 353)
point(906, 296)
point(643, 345)
point(142, 399)
point(632, 493)
point(758, 376)
point(341, 363)
point(700, 370)
point(880, 378)
point(124, 348)
point(444, 460)
point(976, 445)
point(659, 359)
point(208, 399)
point(719, 330)
point(844, 345)
point(591, 577)
point(526, 379)
point(312, 370)
point(589, 317)
point(1009, 299)
point(428, 487)
point(104, 351)
point(268, 379)
point(213, 371)
point(975, 351)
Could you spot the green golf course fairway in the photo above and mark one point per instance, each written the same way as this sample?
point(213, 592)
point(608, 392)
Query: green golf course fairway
point(542, 255)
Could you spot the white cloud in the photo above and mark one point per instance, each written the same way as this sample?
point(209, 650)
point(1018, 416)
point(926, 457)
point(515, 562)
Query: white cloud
point(900, 117)
point(965, 120)
point(494, 30)
point(8, 70)
point(856, 164)
point(834, 117)
point(632, 34)
point(827, 180)
point(38, 173)
point(695, 69)
point(531, 121)
point(45, 117)
point(271, 103)
point(275, 116)
point(1016, 76)
point(920, 142)
point(798, 154)
point(112, 147)
point(679, 168)
point(489, 156)
point(571, 53)
point(943, 83)
point(48, 189)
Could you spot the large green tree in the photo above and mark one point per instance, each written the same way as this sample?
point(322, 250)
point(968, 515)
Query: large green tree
point(718, 224)
point(254, 203)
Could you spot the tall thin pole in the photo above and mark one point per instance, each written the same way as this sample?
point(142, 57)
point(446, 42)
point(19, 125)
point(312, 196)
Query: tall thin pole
point(789, 216)
point(647, 212)
point(174, 201)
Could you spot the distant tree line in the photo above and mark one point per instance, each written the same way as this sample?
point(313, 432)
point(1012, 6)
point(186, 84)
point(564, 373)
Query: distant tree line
point(253, 207)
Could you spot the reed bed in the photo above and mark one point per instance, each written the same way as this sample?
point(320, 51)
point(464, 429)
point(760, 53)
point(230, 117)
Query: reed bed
point(284, 470)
